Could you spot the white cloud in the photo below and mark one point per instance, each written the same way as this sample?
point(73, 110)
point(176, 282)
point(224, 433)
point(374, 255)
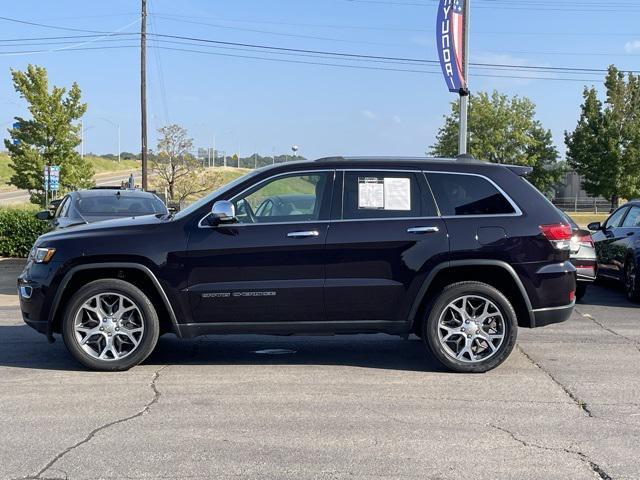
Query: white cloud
point(632, 47)
point(369, 114)
point(395, 119)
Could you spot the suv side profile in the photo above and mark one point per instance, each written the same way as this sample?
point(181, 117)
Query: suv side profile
point(458, 252)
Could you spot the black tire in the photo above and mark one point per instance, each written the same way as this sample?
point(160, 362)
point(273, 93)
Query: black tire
point(631, 283)
point(147, 341)
point(437, 308)
point(581, 290)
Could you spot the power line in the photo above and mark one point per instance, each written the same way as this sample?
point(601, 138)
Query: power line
point(556, 6)
point(375, 68)
point(24, 22)
point(353, 56)
point(340, 65)
point(12, 41)
point(269, 32)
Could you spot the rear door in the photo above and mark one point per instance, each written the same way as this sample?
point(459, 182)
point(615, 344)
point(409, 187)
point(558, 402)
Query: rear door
point(384, 239)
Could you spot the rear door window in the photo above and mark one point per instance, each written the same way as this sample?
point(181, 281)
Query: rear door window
point(380, 195)
point(465, 194)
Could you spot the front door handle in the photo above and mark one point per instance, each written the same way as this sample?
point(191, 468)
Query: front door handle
point(303, 234)
point(423, 230)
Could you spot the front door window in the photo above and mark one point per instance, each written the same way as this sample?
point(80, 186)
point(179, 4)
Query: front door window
point(287, 199)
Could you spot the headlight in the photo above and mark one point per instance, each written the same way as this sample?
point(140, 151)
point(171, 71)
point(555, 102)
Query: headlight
point(43, 255)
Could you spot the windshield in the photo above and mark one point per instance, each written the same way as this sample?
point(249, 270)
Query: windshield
point(204, 200)
point(119, 205)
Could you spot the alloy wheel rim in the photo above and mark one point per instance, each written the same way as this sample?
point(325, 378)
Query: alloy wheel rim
point(109, 326)
point(471, 329)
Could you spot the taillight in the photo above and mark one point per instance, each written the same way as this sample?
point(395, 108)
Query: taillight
point(583, 240)
point(559, 234)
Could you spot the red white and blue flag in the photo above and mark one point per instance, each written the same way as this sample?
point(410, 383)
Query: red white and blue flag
point(450, 42)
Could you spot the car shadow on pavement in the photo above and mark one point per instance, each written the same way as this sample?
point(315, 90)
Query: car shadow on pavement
point(606, 293)
point(21, 347)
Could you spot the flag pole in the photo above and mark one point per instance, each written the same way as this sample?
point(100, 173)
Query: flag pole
point(464, 92)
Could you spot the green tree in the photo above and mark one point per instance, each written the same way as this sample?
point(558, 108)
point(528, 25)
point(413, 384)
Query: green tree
point(49, 137)
point(504, 129)
point(605, 146)
point(177, 169)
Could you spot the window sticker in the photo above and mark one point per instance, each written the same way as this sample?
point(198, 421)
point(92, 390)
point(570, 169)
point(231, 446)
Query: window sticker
point(397, 194)
point(370, 193)
point(388, 193)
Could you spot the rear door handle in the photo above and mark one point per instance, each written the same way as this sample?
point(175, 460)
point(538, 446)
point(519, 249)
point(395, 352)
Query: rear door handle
point(303, 234)
point(423, 230)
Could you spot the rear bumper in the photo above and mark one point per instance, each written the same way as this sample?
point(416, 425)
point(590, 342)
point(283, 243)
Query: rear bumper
point(547, 316)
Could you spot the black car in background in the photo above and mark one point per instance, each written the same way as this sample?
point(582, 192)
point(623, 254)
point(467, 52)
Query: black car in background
point(617, 243)
point(460, 252)
point(97, 204)
point(583, 257)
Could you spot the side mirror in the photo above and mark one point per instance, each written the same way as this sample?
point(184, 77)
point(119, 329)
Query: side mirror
point(222, 211)
point(594, 226)
point(44, 215)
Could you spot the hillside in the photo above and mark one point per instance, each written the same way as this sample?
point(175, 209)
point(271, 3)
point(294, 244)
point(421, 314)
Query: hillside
point(100, 165)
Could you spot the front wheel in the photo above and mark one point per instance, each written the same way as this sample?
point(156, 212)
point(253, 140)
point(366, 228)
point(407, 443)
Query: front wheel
point(110, 325)
point(471, 327)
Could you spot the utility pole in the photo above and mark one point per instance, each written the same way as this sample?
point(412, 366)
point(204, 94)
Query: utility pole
point(464, 94)
point(143, 91)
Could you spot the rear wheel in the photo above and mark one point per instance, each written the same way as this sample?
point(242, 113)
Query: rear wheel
point(581, 290)
point(471, 327)
point(110, 325)
point(631, 284)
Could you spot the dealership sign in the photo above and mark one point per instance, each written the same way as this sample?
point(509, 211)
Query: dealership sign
point(450, 32)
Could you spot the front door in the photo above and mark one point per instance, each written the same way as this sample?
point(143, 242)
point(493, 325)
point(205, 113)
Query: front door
point(385, 238)
point(606, 242)
point(269, 265)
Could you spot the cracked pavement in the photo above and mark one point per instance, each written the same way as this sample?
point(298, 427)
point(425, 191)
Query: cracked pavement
point(565, 405)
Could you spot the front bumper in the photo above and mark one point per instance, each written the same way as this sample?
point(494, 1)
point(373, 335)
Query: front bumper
point(34, 293)
point(548, 316)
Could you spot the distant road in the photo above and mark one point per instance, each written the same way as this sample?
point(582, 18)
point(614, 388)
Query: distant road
point(102, 180)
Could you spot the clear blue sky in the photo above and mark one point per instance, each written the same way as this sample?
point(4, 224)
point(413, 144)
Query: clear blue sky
point(259, 105)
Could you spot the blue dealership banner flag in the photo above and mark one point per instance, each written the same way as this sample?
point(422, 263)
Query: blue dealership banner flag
point(54, 178)
point(450, 33)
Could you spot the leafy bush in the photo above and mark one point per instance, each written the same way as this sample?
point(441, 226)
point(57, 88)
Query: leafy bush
point(19, 229)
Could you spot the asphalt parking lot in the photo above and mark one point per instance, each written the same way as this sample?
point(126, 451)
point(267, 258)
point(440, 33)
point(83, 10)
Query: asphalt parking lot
point(565, 405)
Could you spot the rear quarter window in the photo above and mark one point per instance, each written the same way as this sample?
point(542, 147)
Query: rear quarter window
point(465, 194)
